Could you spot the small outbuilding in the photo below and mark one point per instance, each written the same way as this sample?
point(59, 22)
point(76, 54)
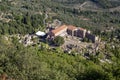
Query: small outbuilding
point(40, 33)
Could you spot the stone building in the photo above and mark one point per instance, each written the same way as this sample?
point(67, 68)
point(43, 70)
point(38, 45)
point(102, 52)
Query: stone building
point(73, 31)
point(92, 37)
point(81, 32)
point(58, 31)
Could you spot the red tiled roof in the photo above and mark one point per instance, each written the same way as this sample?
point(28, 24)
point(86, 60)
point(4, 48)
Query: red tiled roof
point(71, 27)
point(59, 29)
point(81, 28)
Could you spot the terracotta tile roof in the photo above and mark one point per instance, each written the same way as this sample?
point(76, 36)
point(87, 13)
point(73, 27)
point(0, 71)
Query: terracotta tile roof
point(71, 27)
point(59, 29)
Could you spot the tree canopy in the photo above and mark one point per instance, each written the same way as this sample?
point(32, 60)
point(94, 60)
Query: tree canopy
point(58, 41)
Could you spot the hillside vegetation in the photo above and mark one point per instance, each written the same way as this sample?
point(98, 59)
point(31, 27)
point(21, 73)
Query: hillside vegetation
point(107, 3)
point(102, 3)
point(19, 15)
point(41, 63)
